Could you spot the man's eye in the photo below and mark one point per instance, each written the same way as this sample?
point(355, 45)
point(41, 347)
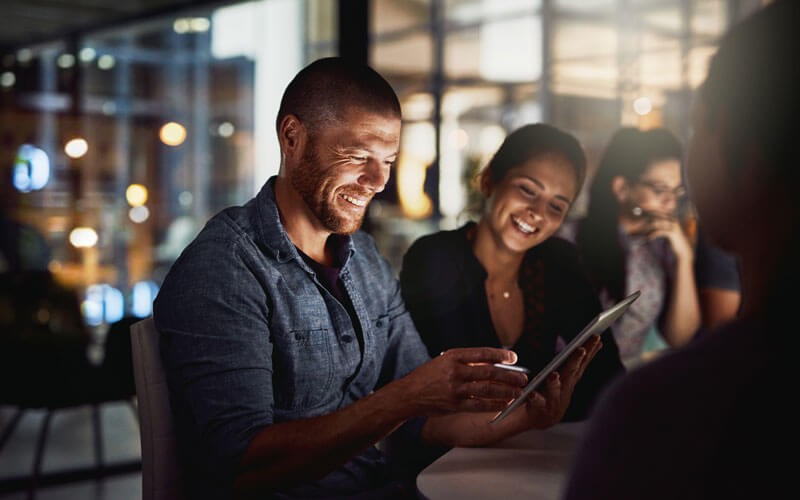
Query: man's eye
point(528, 191)
point(557, 209)
point(358, 159)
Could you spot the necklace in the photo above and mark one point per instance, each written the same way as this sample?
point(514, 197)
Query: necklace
point(505, 289)
point(506, 294)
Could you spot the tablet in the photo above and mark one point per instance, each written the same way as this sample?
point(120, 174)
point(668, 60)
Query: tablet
point(596, 326)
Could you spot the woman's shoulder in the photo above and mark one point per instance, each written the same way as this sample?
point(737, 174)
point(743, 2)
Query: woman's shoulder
point(444, 242)
point(558, 249)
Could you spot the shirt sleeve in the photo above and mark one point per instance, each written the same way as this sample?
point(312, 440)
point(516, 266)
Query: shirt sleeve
point(405, 350)
point(213, 321)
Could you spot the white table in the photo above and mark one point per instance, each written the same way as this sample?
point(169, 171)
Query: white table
point(532, 465)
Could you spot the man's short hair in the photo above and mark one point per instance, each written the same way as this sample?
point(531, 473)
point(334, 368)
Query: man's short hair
point(321, 91)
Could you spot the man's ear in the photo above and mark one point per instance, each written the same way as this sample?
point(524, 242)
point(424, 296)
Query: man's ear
point(620, 188)
point(291, 136)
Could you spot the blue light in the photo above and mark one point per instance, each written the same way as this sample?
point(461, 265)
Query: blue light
point(142, 298)
point(31, 169)
point(103, 303)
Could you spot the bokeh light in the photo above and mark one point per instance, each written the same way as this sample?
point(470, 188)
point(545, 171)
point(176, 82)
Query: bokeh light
point(139, 214)
point(172, 134)
point(83, 237)
point(136, 195)
point(76, 148)
point(642, 106)
point(31, 168)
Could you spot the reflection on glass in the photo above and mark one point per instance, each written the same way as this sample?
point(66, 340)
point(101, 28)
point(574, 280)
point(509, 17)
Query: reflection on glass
point(31, 168)
point(103, 304)
point(142, 296)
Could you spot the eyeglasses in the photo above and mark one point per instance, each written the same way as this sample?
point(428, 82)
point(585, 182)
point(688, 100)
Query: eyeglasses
point(663, 192)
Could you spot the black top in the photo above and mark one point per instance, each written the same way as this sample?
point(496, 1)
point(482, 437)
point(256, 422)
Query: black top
point(443, 287)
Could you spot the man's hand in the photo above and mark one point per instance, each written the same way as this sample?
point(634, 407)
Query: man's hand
point(464, 379)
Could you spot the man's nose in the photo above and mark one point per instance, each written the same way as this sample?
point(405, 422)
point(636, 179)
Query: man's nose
point(374, 176)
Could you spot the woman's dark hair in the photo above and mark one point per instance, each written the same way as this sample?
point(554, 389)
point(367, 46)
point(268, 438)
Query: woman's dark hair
point(629, 153)
point(533, 141)
point(321, 91)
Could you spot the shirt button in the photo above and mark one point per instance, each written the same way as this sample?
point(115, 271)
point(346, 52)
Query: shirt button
point(347, 339)
point(379, 323)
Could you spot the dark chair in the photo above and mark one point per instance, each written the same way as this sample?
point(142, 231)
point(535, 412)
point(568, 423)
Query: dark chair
point(161, 472)
point(44, 366)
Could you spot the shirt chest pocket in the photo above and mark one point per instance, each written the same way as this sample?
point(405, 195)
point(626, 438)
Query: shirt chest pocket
point(302, 369)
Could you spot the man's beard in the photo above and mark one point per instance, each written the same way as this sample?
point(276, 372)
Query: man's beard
point(311, 182)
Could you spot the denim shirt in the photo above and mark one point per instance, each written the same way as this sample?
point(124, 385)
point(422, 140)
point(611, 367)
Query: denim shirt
point(250, 337)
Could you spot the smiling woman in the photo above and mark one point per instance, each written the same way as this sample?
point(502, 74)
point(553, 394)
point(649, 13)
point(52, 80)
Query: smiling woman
point(504, 281)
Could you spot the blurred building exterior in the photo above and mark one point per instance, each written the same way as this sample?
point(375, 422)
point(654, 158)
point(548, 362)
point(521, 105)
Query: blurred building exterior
point(123, 139)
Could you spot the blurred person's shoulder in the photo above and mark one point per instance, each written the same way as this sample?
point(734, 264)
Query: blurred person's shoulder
point(700, 422)
point(698, 385)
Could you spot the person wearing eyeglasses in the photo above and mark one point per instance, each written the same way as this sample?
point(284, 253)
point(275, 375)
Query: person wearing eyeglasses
point(708, 420)
point(632, 238)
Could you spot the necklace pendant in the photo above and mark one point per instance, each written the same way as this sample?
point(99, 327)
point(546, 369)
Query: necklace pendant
point(506, 295)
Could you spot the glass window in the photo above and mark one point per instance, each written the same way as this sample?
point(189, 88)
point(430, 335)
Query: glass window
point(469, 71)
point(152, 127)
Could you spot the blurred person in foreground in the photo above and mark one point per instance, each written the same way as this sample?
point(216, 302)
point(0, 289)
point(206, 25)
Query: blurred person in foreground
point(288, 349)
point(631, 238)
point(705, 421)
point(505, 280)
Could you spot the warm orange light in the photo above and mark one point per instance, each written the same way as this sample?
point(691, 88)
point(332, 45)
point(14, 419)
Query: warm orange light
point(76, 148)
point(172, 134)
point(410, 183)
point(83, 237)
point(136, 195)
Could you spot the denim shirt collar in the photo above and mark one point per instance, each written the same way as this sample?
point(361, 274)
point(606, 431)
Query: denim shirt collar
point(273, 235)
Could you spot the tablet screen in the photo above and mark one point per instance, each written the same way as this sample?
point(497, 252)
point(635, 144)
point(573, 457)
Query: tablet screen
point(597, 325)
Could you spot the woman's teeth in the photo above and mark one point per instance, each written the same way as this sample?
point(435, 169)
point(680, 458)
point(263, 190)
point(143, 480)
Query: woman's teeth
point(525, 228)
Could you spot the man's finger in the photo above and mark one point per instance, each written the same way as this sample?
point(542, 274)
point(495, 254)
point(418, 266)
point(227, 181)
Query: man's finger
point(481, 355)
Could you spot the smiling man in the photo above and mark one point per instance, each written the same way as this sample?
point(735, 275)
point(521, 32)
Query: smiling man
point(288, 349)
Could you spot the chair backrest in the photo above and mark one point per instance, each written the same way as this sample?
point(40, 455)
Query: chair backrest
point(161, 476)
